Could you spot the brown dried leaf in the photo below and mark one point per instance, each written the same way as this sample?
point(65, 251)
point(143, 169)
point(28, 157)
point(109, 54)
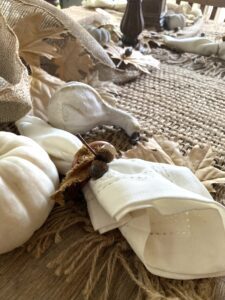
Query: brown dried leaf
point(137, 59)
point(152, 38)
point(74, 63)
point(200, 159)
point(42, 87)
point(77, 175)
point(32, 36)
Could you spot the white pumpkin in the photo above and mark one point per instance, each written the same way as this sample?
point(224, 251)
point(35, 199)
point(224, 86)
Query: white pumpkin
point(27, 179)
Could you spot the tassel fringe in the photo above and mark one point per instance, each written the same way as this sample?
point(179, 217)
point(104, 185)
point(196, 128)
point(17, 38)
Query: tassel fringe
point(106, 263)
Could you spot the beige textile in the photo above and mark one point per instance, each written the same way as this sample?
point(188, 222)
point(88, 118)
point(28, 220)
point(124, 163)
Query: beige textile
point(14, 84)
point(13, 10)
point(175, 102)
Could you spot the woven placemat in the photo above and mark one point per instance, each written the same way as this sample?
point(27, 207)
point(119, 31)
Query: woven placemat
point(175, 102)
point(180, 104)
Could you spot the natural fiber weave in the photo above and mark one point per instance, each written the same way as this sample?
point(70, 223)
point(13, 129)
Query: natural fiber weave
point(180, 104)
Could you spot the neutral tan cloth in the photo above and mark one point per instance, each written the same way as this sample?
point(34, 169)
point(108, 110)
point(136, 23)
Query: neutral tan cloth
point(15, 99)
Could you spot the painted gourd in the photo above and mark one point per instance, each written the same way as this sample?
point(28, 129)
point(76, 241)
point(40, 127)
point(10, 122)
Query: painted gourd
point(27, 180)
point(100, 34)
point(77, 107)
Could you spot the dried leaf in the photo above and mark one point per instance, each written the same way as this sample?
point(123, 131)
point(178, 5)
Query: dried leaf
point(80, 171)
point(149, 151)
point(200, 159)
point(32, 38)
point(152, 38)
point(171, 148)
point(158, 149)
point(42, 87)
point(137, 59)
point(77, 175)
point(73, 54)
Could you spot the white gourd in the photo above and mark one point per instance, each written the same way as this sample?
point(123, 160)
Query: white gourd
point(59, 144)
point(27, 180)
point(100, 34)
point(77, 107)
point(173, 21)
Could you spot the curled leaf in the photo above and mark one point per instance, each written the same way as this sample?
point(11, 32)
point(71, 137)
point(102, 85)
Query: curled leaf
point(77, 175)
point(32, 39)
point(200, 159)
point(73, 54)
point(136, 58)
point(89, 162)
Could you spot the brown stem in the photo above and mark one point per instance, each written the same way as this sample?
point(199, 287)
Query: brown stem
point(86, 144)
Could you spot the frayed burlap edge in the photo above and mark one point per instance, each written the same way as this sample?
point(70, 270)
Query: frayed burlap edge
point(102, 257)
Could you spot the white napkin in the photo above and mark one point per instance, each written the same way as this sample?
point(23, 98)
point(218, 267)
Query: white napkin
point(196, 45)
point(163, 211)
point(59, 144)
point(166, 215)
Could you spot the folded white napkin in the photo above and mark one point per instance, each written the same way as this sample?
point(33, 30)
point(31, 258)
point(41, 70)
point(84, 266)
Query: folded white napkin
point(59, 144)
point(196, 45)
point(166, 215)
point(163, 211)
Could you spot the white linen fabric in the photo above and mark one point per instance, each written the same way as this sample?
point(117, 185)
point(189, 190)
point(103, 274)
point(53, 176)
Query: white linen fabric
point(166, 215)
point(196, 45)
point(164, 212)
point(59, 144)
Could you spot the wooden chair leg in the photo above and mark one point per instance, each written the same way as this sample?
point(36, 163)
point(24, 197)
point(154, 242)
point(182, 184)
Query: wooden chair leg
point(132, 23)
point(213, 14)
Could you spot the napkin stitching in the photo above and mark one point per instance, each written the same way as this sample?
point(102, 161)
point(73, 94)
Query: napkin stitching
point(103, 184)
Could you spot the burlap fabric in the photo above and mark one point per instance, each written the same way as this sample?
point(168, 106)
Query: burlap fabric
point(14, 83)
point(15, 10)
point(176, 102)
